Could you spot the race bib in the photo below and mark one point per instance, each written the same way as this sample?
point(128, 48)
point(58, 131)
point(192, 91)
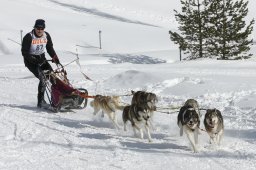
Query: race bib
point(38, 45)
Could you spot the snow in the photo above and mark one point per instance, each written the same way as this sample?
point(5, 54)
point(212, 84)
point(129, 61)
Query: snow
point(134, 36)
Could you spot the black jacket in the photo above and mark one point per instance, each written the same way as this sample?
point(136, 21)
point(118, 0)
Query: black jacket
point(32, 59)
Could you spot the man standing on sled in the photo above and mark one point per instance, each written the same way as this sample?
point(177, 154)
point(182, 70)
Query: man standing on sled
point(33, 51)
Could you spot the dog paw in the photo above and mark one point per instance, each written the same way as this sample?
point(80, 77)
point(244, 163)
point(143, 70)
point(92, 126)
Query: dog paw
point(196, 151)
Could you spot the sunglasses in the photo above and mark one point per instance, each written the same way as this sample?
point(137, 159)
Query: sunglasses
point(40, 28)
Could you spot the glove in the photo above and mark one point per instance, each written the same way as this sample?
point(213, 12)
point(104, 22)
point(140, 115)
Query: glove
point(55, 59)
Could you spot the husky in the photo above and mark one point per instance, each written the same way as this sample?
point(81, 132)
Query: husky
point(189, 122)
point(108, 105)
point(194, 104)
point(213, 122)
point(147, 101)
point(139, 117)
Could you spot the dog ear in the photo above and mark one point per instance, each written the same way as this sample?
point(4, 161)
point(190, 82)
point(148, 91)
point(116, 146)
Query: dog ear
point(218, 112)
point(208, 110)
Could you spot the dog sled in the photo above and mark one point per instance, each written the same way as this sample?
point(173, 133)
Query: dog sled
point(60, 93)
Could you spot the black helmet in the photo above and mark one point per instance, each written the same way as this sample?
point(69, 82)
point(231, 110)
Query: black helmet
point(40, 23)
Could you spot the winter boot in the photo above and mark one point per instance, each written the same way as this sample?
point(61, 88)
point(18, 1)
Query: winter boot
point(41, 104)
point(40, 97)
point(40, 100)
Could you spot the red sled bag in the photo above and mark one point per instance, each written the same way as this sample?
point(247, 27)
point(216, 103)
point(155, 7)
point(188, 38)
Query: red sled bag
point(63, 95)
point(60, 90)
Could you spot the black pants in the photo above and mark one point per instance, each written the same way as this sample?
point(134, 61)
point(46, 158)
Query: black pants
point(37, 69)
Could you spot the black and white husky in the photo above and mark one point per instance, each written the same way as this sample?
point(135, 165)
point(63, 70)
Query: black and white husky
point(139, 118)
point(146, 100)
point(213, 122)
point(189, 122)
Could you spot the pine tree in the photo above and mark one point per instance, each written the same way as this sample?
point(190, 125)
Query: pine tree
point(213, 28)
point(192, 30)
point(228, 33)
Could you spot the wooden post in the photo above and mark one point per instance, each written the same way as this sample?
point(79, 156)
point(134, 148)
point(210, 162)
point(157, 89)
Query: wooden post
point(21, 36)
point(180, 53)
point(100, 38)
point(77, 53)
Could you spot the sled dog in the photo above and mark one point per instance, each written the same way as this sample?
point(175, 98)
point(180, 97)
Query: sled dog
point(213, 122)
point(147, 101)
point(189, 122)
point(139, 117)
point(144, 99)
point(194, 104)
point(108, 105)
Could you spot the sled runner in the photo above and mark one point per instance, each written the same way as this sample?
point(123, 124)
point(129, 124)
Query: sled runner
point(60, 93)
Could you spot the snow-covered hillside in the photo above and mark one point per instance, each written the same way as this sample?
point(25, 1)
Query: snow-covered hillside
point(132, 32)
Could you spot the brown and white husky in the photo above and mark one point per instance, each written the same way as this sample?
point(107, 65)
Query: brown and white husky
point(108, 105)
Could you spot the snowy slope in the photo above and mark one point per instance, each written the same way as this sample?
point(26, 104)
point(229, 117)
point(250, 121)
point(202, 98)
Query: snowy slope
point(132, 32)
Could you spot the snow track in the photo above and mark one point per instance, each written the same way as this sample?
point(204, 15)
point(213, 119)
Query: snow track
point(39, 140)
point(31, 137)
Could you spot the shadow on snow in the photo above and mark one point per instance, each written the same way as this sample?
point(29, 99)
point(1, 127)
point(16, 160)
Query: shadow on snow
point(101, 14)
